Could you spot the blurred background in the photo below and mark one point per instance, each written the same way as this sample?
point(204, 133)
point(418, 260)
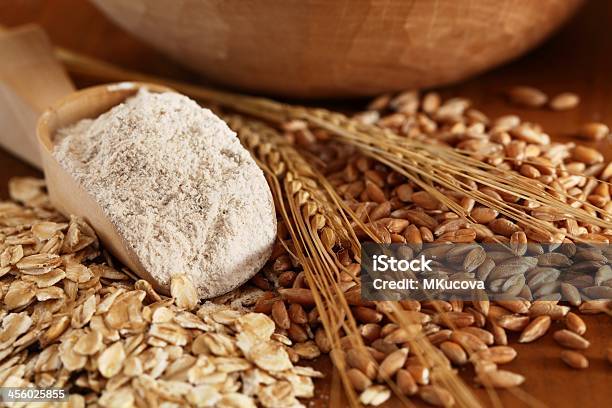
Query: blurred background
point(312, 48)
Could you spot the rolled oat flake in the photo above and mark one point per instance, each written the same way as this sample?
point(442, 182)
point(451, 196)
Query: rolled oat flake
point(178, 186)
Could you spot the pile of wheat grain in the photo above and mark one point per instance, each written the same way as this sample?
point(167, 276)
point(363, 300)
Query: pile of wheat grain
point(398, 210)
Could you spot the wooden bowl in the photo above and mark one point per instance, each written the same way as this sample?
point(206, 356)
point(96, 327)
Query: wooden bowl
point(64, 192)
point(340, 48)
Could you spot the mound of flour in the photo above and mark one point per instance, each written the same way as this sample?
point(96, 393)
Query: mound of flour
point(178, 186)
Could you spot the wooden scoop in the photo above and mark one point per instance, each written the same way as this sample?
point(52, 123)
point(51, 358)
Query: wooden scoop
point(31, 79)
point(65, 193)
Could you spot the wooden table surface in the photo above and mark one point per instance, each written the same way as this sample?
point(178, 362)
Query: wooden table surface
point(578, 59)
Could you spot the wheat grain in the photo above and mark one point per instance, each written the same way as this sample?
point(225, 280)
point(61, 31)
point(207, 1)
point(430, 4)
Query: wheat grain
point(564, 101)
point(527, 96)
point(500, 379)
point(574, 323)
point(571, 340)
point(436, 396)
point(594, 131)
point(497, 354)
point(535, 329)
point(574, 359)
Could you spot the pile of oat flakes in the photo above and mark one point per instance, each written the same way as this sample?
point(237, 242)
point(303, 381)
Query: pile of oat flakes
point(71, 320)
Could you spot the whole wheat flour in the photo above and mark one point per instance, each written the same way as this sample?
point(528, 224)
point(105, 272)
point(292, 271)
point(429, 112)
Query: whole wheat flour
point(178, 186)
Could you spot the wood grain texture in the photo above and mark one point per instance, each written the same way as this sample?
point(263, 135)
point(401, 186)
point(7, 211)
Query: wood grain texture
point(579, 59)
point(314, 48)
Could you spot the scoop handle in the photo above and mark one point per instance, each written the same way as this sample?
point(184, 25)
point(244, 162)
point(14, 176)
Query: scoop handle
point(31, 79)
